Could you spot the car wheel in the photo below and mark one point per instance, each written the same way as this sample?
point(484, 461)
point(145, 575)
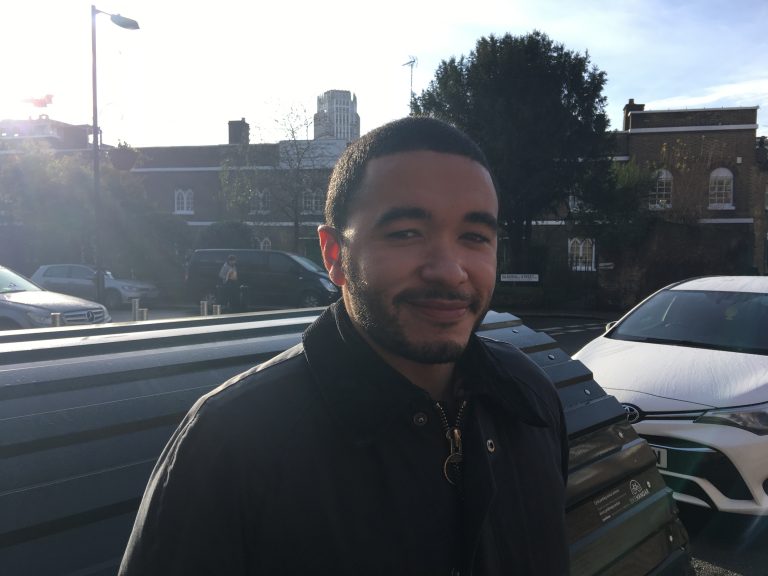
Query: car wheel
point(112, 299)
point(309, 300)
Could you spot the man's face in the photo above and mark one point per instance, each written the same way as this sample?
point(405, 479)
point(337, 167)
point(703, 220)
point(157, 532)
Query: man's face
point(419, 254)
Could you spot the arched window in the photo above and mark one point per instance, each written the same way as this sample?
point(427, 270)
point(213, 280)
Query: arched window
point(660, 197)
point(183, 202)
point(260, 202)
point(581, 254)
point(313, 202)
point(720, 189)
point(266, 244)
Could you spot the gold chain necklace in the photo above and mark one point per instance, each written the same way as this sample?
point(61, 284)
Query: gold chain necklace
point(452, 464)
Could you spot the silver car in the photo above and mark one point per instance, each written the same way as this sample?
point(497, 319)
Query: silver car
point(80, 280)
point(24, 304)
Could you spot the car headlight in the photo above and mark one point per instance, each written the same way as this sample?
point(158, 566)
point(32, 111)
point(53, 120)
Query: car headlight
point(328, 285)
point(40, 317)
point(751, 418)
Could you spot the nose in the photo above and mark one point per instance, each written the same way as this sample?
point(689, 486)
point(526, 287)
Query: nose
point(444, 266)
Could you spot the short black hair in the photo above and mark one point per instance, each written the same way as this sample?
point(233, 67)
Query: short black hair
point(410, 134)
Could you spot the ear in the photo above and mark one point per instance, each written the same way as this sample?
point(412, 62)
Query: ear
point(330, 248)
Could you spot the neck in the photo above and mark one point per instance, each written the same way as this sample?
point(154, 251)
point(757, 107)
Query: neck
point(435, 379)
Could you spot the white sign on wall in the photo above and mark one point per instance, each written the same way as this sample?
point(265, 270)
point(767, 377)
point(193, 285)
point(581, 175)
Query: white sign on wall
point(519, 277)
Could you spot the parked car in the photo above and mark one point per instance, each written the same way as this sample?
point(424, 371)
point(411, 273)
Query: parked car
point(690, 365)
point(271, 278)
point(80, 280)
point(24, 304)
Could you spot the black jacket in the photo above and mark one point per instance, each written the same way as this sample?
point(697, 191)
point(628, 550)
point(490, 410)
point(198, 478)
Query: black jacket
point(325, 460)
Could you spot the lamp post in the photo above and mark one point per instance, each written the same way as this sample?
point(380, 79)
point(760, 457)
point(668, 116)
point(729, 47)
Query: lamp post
point(128, 24)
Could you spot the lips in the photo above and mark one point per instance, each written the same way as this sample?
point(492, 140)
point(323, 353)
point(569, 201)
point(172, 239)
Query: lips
point(441, 310)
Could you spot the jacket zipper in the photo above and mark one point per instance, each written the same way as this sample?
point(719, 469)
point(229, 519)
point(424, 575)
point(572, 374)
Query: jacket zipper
point(452, 464)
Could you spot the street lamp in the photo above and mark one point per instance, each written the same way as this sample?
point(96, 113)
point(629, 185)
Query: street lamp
point(128, 24)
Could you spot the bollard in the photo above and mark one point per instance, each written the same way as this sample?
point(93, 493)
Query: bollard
point(55, 318)
point(217, 309)
point(143, 314)
point(203, 307)
point(134, 309)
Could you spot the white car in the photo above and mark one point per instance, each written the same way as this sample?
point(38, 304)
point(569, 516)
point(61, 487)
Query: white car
point(80, 280)
point(690, 366)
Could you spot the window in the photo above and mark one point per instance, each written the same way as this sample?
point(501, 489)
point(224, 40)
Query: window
point(266, 244)
point(81, 273)
point(720, 189)
point(56, 272)
point(581, 254)
point(575, 203)
point(313, 202)
point(260, 202)
point(660, 197)
point(184, 202)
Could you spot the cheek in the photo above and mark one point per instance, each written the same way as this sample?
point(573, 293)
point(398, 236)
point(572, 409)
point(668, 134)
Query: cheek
point(482, 270)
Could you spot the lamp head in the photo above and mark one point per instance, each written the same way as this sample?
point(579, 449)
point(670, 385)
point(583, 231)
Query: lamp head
point(124, 22)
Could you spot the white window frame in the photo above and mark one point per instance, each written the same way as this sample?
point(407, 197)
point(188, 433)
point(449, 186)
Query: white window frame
point(660, 197)
point(265, 244)
point(581, 254)
point(721, 189)
point(260, 201)
point(184, 201)
point(312, 202)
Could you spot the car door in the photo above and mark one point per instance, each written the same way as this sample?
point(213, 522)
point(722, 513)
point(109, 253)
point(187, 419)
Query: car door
point(56, 279)
point(251, 272)
point(82, 282)
point(283, 280)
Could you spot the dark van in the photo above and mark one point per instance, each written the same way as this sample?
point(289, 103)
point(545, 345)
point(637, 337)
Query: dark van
point(270, 278)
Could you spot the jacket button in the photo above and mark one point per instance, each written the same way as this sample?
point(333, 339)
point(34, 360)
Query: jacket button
point(491, 445)
point(420, 419)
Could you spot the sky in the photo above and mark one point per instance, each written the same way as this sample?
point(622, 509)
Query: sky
point(193, 66)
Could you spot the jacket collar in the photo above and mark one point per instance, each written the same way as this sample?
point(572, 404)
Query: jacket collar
point(364, 393)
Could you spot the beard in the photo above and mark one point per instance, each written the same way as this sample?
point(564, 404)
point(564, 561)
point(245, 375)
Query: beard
point(380, 322)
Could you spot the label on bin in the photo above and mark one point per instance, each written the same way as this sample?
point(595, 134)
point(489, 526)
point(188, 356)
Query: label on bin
point(620, 498)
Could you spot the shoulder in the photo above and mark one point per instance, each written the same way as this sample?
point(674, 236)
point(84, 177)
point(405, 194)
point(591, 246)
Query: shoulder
point(266, 399)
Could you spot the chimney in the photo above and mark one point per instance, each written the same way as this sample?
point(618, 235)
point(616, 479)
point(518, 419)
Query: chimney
point(631, 107)
point(239, 132)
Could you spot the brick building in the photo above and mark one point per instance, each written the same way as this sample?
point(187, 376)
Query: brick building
point(278, 189)
point(707, 208)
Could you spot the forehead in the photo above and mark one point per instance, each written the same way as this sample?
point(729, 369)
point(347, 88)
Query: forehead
point(434, 180)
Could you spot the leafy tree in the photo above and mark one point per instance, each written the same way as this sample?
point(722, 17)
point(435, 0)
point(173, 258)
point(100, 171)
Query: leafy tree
point(616, 215)
point(46, 201)
point(538, 112)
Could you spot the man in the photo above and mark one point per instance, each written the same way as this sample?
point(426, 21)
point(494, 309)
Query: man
point(392, 440)
point(230, 295)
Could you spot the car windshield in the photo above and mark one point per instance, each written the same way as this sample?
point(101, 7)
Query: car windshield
point(12, 282)
point(735, 321)
point(307, 263)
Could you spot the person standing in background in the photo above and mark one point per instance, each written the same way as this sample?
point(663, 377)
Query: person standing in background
point(229, 285)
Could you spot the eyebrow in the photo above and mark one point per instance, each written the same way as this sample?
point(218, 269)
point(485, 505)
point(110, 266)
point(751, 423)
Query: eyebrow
point(415, 213)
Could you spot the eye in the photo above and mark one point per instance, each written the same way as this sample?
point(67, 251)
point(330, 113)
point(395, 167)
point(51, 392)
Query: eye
point(404, 234)
point(476, 238)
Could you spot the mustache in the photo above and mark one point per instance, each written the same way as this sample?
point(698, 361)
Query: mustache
point(411, 294)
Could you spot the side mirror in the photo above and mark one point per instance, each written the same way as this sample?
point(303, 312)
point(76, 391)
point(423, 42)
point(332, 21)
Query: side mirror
point(610, 325)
